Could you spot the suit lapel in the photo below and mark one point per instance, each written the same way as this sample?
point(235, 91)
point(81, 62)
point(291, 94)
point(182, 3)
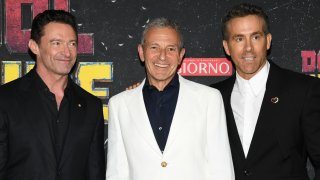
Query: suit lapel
point(138, 113)
point(265, 123)
point(77, 112)
point(179, 117)
point(39, 123)
point(234, 137)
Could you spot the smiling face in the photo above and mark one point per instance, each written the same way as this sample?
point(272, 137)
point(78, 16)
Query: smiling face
point(57, 51)
point(161, 55)
point(247, 44)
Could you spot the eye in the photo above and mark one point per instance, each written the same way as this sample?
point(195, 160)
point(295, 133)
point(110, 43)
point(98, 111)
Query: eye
point(55, 43)
point(256, 37)
point(238, 39)
point(172, 49)
point(154, 48)
point(72, 44)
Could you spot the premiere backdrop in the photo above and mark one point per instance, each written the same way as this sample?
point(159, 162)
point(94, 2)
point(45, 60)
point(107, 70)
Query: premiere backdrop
point(110, 31)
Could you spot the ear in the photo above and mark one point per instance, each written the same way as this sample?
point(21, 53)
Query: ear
point(181, 54)
point(33, 46)
point(269, 39)
point(140, 51)
point(226, 47)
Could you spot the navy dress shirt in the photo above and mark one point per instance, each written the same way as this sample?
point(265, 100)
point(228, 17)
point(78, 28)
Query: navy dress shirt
point(160, 106)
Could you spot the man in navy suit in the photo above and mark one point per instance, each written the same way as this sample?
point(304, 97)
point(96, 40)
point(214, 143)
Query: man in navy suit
point(273, 114)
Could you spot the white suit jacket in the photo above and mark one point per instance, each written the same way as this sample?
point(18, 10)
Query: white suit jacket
point(197, 147)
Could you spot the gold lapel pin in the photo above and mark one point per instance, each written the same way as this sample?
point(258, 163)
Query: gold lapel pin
point(275, 100)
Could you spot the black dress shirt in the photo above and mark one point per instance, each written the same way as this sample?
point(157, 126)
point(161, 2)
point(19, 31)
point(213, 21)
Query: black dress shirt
point(58, 119)
point(160, 106)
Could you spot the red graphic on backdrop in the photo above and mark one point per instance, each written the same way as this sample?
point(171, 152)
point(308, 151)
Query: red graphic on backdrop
point(17, 39)
point(310, 61)
point(205, 67)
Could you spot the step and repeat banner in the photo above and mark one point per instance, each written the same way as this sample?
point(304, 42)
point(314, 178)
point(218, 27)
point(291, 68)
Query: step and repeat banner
point(110, 30)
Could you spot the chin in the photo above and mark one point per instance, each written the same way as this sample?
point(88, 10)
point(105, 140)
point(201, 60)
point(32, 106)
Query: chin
point(63, 73)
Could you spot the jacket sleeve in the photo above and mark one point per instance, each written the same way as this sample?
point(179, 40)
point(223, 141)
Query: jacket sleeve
point(219, 153)
point(96, 159)
point(3, 144)
point(117, 163)
point(311, 124)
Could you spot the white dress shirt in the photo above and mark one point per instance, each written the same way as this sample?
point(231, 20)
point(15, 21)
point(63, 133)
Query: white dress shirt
point(246, 100)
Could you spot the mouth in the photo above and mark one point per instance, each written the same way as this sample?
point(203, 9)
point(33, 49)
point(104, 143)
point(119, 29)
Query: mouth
point(248, 58)
point(161, 65)
point(64, 60)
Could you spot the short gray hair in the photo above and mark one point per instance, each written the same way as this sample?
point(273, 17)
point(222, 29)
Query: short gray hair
point(162, 23)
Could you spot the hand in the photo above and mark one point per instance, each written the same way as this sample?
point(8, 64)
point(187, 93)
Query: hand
point(133, 86)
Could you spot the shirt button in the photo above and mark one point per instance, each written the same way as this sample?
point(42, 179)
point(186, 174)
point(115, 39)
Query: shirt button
point(160, 128)
point(164, 164)
point(247, 172)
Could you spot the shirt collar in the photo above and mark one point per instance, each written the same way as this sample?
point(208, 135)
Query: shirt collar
point(41, 86)
point(256, 83)
point(173, 83)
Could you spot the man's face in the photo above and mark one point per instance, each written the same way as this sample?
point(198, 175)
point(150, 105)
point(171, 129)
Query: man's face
point(161, 55)
point(247, 44)
point(57, 51)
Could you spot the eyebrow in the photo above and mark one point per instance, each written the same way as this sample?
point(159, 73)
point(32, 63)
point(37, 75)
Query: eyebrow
point(55, 39)
point(51, 40)
point(258, 32)
point(254, 33)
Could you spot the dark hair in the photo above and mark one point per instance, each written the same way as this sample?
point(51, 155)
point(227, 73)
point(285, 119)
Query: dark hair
point(162, 23)
point(242, 10)
point(47, 16)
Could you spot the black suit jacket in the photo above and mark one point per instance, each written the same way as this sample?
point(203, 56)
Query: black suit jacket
point(26, 146)
point(287, 131)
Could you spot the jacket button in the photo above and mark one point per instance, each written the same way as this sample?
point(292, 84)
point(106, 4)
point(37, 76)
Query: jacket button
point(247, 173)
point(59, 172)
point(164, 164)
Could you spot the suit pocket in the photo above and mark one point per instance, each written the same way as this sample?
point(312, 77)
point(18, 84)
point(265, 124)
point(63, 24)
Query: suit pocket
point(293, 164)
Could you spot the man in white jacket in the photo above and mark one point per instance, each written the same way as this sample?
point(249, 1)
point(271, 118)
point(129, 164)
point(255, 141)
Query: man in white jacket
point(168, 128)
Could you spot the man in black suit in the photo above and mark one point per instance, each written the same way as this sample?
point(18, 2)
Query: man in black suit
point(50, 128)
point(273, 114)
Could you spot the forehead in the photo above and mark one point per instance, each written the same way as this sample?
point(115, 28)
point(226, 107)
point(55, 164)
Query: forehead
point(245, 24)
point(156, 34)
point(59, 29)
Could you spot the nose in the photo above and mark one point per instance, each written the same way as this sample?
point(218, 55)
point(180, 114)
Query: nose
point(66, 51)
point(163, 54)
point(248, 45)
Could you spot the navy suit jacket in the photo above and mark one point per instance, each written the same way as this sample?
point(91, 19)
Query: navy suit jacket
point(287, 131)
point(26, 146)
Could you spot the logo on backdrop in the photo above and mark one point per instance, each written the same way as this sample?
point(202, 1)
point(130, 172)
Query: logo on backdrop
point(311, 63)
point(205, 67)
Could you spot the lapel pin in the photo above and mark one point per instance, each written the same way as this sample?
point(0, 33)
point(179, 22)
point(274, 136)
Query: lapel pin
point(79, 105)
point(275, 100)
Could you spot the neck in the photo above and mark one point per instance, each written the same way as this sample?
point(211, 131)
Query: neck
point(249, 76)
point(55, 83)
point(160, 85)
